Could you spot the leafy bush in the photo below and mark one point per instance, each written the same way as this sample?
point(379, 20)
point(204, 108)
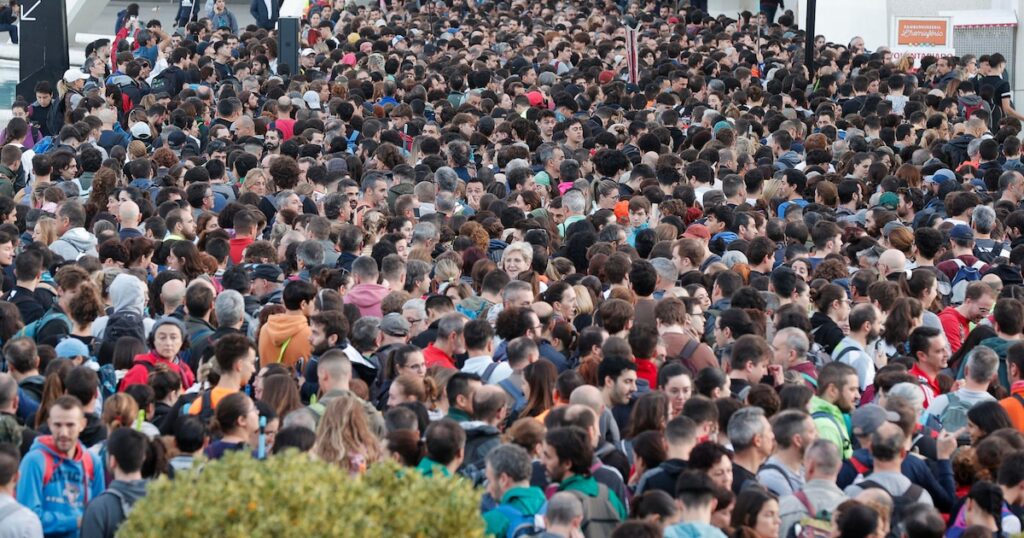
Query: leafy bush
point(290, 495)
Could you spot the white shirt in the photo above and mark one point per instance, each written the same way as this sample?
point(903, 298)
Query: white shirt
point(479, 364)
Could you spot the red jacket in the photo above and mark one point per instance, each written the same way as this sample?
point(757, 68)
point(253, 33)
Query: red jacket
point(139, 373)
point(645, 369)
point(956, 327)
point(434, 356)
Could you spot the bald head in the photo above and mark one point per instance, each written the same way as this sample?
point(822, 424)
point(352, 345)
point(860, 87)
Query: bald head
point(489, 403)
point(172, 294)
point(892, 261)
point(128, 214)
point(589, 396)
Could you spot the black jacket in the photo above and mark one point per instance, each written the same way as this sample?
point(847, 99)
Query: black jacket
point(662, 477)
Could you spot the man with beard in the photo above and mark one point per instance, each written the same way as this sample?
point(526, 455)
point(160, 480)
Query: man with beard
point(181, 226)
point(856, 349)
point(58, 496)
point(837, 394)
point(328, 331)
point(272, 141)
point(782, 473)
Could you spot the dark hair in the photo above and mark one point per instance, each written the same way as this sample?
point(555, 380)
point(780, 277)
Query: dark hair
point(300, 438)
point(128, 448)
point(749, 503)
point(229, 409)
point(189, 433)
point(613, 367)
point(572, 444)
point(705, 455)
point(989, 416)
point(853, 519)
point(444, 439)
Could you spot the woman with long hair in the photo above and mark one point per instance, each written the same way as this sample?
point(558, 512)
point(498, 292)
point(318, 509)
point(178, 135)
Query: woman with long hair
point(540, 379)
point(184, 257)
point(281, 393)
point(344, 437)
point(53, 387)
point(756, 515)
point(984, 418)
point(905, 316)
point(833, 308)
point(237, 420)
point(407, 359)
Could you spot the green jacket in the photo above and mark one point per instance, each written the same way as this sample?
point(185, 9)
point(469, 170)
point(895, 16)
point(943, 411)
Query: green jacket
point(588, 486)
point(528, 500)
point(831, 425)
point(7, 179)
point(458, 415)
point(428, 467)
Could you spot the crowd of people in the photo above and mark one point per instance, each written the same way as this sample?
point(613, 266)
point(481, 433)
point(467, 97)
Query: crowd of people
point(735, 291)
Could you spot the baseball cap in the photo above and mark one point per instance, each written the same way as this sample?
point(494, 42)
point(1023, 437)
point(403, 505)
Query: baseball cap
point(141, 131)
point(941, 176)
point(962, 232)
point(697, 231)
point(395, 325)
point(890, 227)
point(74, 74)
point(866, 419)
point(267, 271)
point(307, 52)
point(606, 76)
point(337, 165)
point(312, 100)
point(176, 139)
point(536, 98)
point(890, 200)
point(71, 347)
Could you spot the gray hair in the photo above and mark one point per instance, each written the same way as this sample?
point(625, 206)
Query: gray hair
point(574, 201)
point(366, 268)
point(445, 202)
point(229, 308)
point(281, 197)
point(563, 508)
point(982, 361)
point(545, 152)
point(8, 389)
point(733, 257)
point(825, 455)
point(667, 271)
point(450, 324)
point(511, 460)
point(796, 340)
point(364, 334)
point(423, 232)
point(311, 253)
point(744, 425)
point(984, 219)
point(419, 305)
point(788, 424)
point(521, 247)
point(515, 287)
point(446, 178)
point(973, 146)
point(610, 233)
point(908, 392)
point(516, 163)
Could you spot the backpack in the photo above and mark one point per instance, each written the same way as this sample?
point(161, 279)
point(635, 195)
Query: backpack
point(599, 515)
point(954, 416)
point(43, 145)
point(816, 524)
point(520, 524)
point(50, 466)
point(120, 323)
point(987, 250)
point(686, 354)
point(971, 109)
point(964, 276)
point(32, 329)
point(899, 503)
point(206, 398)
point(162, 84)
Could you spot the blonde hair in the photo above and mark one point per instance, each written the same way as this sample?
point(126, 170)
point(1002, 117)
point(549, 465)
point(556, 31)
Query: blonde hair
point(119, 411)
point(344, 434)
point(584, 301)
point(47, 230)
point(771, 189)
point(522, 247)
point(447, 270)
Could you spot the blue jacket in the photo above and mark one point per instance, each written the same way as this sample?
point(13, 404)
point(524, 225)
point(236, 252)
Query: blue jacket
point(60, 502)
point(936, 479)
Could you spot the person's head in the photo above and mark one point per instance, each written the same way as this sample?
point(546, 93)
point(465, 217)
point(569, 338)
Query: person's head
point(236, 354)
point(985, 418)
point(1008, 315)
point(236, 415)
point(750, 357)
point(617, 378)
point(167, 338)
point(298, 296)
point(567, 451)
point(888, 443)
point(982, 366)
point(865, 322)
point(675, 380)
point(565, 510)
point(749, 430)
point(758, 511)
point(978, 301)
point(856, 519)
point(126, 450)
point(66, 420)
point(838, 384)
point(450, 334)
point(445, 441)
point(460, 390)
point(984, 504)
point(790, 346)
point(794, 430)
point(822, 460)
point(928, 348)
point(507, 466)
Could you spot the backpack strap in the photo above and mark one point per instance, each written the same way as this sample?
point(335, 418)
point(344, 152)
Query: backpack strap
point(809, 379)
point(280, 355)
point(1019, 398)
point(858, 465)
point(689, 349)
point(489, 370)
point(843, 352)
point(802, 497)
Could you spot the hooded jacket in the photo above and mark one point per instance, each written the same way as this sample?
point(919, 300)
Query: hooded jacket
point(287, 328)
point(368, 298)
point(788, 160)
point(61, 501)
point(106, 512)
point(831, 425)
point(481, 437)
point(138, 374)
point(74, 244)
point(473, 306)
point(128, 294)
point(526, 500)
point(956, 150)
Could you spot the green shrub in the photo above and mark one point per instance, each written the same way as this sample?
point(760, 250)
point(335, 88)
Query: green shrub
point(290, 495)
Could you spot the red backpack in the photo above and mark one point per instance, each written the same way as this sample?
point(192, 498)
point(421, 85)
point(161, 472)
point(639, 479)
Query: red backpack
point(51, 463)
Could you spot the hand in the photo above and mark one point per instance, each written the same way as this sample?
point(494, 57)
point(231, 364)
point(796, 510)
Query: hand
point(945, 445)
point(778, 376)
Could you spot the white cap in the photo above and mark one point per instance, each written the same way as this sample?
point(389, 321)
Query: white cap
point(312, 100)
point(307, 52)
point(141, 131)
point(74, 74)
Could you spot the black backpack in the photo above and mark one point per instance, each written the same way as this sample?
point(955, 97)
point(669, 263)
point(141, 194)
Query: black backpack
point(122, 323)
point(899, 503)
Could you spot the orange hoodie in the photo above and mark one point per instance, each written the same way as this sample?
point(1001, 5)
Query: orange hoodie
point(278, 330)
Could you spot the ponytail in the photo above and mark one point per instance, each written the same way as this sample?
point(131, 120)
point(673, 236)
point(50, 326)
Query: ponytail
point(53, 388)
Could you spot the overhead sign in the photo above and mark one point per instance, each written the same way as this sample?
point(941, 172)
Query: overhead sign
point(920, 32)
point(43, 50)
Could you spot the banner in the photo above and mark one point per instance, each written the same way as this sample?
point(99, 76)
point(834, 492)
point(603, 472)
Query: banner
point(921, 32)
point(633, 53)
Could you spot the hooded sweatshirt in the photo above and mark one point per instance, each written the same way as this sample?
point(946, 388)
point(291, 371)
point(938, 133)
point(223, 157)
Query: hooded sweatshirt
point(74, 244)
point(139, 373)
point(281, 328)
point(61, 501)
point(106, 512)
point(481, 437)
point(693, 530)
point(128, 293)
point(368, 298)
point(526, 500)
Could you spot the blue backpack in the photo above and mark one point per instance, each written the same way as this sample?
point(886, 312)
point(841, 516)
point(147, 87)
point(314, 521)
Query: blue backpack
point(965, 274)
point(43, 145)
point(32, 329)
point(520, 524)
